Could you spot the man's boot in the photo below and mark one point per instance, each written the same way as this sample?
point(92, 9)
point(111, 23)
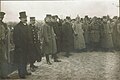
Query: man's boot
point(55, 58)
point(48, 60)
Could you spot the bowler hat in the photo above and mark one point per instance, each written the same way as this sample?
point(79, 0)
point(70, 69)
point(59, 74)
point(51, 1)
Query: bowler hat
point(2, 14)
point(23, 14)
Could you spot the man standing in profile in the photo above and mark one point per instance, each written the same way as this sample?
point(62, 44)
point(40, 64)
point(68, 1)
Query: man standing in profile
point(3, 48)
point(34, 46)
point(21, 40)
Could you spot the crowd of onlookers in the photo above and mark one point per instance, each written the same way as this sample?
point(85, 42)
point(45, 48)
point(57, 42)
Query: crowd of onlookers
point(30, 42)
point(97, 33)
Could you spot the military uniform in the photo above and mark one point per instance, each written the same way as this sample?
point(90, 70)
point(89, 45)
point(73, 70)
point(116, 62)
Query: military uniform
point(34, 46)
point(49, 42)
point(57, 30)
point(68, 37)
point(94, 35)
point(3, 48)
point(107, 42)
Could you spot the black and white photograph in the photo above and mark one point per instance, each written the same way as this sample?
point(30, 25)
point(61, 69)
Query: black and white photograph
point(60, 39)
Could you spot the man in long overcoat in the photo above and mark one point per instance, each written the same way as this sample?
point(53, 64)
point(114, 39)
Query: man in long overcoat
point(21, 41)
point(118, 34)
point(3, 47)
point(86, 25)
point(68, 37)
point(106, 37)
point(34, 46)
point(114, 33)
point(57, 31)
point(94, 34)
point(79, 41)
point(49, 42)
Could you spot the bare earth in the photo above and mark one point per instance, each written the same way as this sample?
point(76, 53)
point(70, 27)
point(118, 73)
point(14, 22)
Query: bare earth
point(80, 66)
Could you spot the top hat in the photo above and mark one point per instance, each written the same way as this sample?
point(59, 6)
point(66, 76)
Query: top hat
point(2, 14)
point(23, 14)
point(32, 17)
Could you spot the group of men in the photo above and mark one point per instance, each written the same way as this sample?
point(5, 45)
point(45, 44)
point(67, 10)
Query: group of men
point(56, 35)
point(28, 44)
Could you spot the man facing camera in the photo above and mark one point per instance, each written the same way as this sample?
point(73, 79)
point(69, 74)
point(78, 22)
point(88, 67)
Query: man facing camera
point(34, 46)
point(21, 41)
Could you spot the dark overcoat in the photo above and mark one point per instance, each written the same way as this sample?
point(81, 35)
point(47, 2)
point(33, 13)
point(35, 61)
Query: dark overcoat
point(21, 41)
point(34, 46)
point(57, 29)
point(67, 37)
point(94, 32)
point(3, 48)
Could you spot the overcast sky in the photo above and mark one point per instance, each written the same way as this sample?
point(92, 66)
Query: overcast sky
point(62, 8)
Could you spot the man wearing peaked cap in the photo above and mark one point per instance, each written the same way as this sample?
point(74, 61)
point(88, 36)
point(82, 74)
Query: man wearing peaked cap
point(68, 38)
point(34, 47)
point(3, 47)
point(68, 18)
point(2, 14)
point(49, 42)
point(21, 41)
point(31, 18)
point(48, 15)
point(56, 29)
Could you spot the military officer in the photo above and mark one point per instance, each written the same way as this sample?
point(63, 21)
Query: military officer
point(34, 47)
point(57, 30)
point(21, 41)
point(94, 34)
point(68, 37)
point(3, 55)
point(49, 42)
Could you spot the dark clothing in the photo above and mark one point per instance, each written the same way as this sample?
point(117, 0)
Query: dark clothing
point(3, 43)
point(57, 29)
point(94, 35)
point(21, 40)
point(67, 37)
point(34, 46)
point(3, 49)
point(86, 33)
point(22, 69)
point(115, 35)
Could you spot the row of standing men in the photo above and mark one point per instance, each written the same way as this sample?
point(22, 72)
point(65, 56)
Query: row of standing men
point(64, 35)
point(67, 36)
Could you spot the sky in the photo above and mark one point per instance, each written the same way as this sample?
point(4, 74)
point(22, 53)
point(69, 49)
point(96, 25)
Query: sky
point(62, 8)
